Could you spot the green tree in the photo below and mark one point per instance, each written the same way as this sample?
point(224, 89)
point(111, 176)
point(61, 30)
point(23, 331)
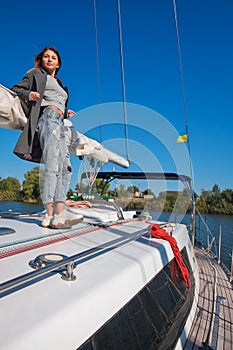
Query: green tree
point(215, 203)
point(10, 184)
point(10, 189)
point(148, 192)
point(113, 193)
point(102, 186)
point(70, 193)
point(183, 202)
point(81, 187)
point(31, 184)
point(122, 192)
point(227, 195)
point(133, 189)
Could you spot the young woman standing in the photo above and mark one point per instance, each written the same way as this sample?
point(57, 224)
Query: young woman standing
point(44, 100)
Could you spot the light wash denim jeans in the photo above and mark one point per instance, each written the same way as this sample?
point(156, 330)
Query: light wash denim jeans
point(56, 157)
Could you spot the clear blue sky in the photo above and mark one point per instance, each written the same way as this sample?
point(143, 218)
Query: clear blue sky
point(151, 64)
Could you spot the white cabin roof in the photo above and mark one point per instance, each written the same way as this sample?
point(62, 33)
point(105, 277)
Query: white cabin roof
point(55, 314)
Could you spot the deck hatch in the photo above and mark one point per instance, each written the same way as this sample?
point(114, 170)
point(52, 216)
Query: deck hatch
point(6, 231)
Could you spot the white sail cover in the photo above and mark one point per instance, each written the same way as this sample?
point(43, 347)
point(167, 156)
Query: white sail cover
point(81, 145)
point(11, 113)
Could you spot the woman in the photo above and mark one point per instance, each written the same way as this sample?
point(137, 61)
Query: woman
point(44, 100)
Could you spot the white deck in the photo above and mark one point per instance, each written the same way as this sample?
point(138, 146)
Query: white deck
point(56, 314)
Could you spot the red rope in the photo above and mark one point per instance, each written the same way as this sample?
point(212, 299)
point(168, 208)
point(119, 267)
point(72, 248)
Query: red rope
point(179, 270)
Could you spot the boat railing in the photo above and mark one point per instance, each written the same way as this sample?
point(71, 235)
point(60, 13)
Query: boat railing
point(65, 265)
point(211, 246)
point(211, 240)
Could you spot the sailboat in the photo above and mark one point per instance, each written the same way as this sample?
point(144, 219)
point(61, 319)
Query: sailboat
point(120, 279)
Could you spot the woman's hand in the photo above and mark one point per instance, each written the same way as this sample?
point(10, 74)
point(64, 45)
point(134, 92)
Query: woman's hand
point(70, 113)
point(34, 96)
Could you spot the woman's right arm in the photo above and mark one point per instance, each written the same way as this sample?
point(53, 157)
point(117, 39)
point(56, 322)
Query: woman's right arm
point(23, 88)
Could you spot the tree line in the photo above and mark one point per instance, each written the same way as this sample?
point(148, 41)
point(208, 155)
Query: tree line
point(11, 189)
point(212, 201)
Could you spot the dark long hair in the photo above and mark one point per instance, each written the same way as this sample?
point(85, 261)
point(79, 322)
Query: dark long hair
point(38, 58)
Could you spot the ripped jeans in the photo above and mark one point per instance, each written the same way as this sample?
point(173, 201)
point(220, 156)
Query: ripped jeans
point(56, 157)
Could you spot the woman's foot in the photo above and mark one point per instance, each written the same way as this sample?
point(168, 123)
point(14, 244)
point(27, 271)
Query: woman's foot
point(46, 220)
point(66, 219)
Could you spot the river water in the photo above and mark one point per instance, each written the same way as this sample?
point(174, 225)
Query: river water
point(207, 227)
point(215, 223)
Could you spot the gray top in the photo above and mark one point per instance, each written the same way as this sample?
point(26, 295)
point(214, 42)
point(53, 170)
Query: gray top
point(54, 94)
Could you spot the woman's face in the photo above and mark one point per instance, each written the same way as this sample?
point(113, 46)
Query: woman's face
point(50, 61)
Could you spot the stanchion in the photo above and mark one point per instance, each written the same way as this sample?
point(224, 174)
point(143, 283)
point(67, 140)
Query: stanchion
point(219, 244)
point(231, 276)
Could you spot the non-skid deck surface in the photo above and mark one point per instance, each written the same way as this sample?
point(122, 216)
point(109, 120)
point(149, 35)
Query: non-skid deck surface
point(37, 237)
point(213, 324)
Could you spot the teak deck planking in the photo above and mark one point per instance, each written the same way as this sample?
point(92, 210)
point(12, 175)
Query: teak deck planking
point(213, 324)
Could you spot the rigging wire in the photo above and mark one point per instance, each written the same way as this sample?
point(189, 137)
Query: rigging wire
point(94, 167)
point(122, 74)
point(181, 66)
point(182, 77)
point(123, 78)
point(182, 82)
point(97, 70)
point(186, 122)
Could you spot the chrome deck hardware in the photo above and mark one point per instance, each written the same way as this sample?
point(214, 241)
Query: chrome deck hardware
point(50, 259)
point(69, 276)
point(47, 259)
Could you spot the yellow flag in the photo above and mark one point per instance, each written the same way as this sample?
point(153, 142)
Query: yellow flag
point(182, 138)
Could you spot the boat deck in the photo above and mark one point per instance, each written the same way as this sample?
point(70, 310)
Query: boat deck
point(212, 330)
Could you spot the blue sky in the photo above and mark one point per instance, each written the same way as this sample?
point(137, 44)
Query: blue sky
point(151, 67)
